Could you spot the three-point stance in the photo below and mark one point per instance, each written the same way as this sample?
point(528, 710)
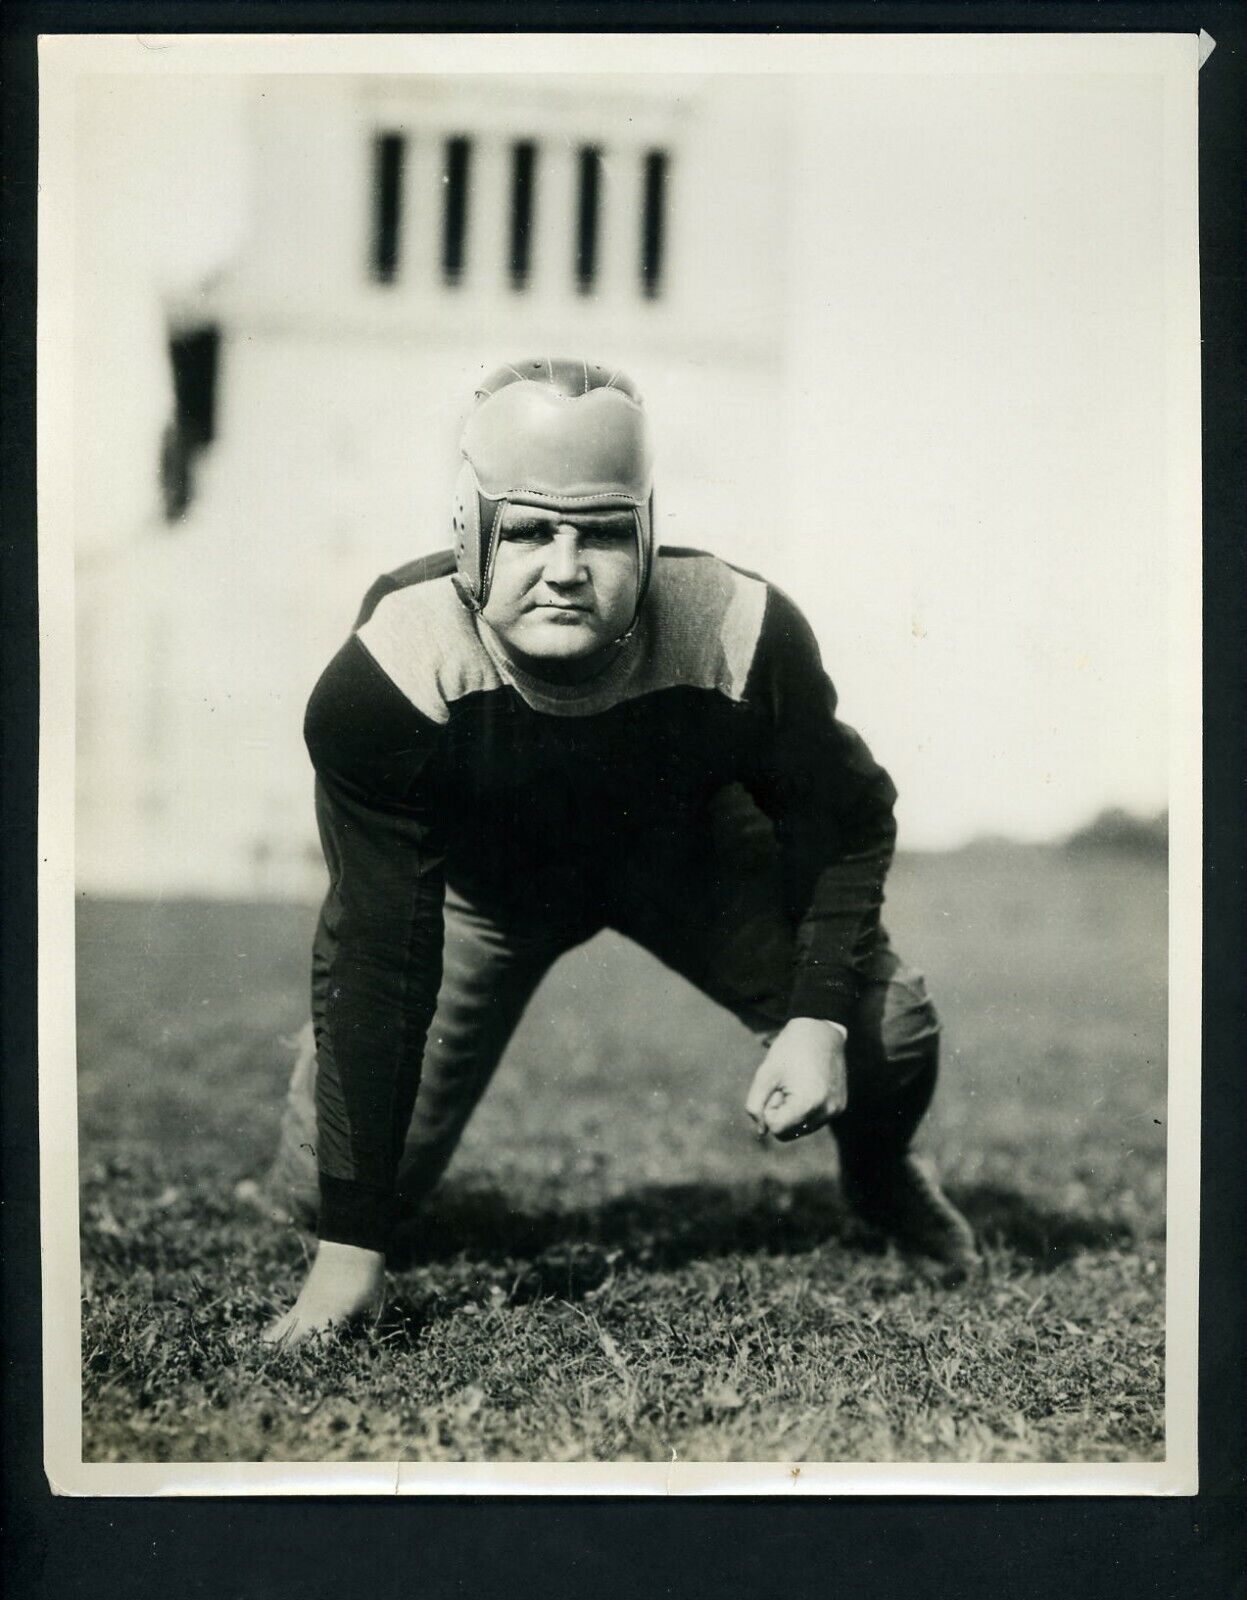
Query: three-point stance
point(559, 728)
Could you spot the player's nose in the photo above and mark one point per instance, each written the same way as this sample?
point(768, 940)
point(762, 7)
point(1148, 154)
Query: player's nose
point(564, 557)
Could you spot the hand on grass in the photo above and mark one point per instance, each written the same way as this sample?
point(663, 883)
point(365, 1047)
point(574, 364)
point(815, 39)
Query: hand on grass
point(802, 1082)
point(346, 1284)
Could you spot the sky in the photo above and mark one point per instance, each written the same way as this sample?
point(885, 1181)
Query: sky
point(984, 285)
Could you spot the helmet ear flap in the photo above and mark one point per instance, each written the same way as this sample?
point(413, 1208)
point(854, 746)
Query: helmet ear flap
point(645, 549)
point(465, 532)
point(474, 521)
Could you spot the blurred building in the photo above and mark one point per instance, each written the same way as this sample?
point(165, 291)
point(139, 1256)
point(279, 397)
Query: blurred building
point(402, 236)
point(903, 340)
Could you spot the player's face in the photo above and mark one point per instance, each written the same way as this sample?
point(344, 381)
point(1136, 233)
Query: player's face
point(562, 589)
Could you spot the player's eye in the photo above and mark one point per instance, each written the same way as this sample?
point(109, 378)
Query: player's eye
point(610, 530)
point(526, 530)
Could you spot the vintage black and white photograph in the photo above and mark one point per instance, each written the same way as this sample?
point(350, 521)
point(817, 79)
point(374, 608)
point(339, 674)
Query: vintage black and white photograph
point(621, 620)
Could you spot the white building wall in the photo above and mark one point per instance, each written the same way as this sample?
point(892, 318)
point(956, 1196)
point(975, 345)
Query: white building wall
point(340, 403)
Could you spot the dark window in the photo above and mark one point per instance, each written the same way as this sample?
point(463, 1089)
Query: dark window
point(588, 207)
point(653, 221)
point(455, 210)
point(523, 185)
point(388, 152)
point(194, 355)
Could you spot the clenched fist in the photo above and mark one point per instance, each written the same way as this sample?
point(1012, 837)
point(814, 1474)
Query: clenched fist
point(803, 1080)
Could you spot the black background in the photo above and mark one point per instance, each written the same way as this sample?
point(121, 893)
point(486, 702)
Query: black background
point(1014, 1549)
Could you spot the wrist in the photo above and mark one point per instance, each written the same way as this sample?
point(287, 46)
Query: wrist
point(838, 1028)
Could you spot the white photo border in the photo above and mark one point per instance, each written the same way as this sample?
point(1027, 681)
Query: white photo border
point(63, 59)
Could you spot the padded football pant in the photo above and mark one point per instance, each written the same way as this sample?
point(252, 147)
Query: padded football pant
point(726, 934)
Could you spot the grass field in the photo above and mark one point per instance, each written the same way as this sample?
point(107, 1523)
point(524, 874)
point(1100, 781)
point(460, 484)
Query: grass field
point(614, 1268)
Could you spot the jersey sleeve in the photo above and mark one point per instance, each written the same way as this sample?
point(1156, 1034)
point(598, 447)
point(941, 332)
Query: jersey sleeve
point(832, 808)
point(376, 963)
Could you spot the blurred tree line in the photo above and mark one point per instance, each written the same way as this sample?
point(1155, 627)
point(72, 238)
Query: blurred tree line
point(1116, 831)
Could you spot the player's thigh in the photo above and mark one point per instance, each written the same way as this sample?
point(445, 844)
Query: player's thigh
point(491, 966)
point(750, 946)
point(715, 914)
